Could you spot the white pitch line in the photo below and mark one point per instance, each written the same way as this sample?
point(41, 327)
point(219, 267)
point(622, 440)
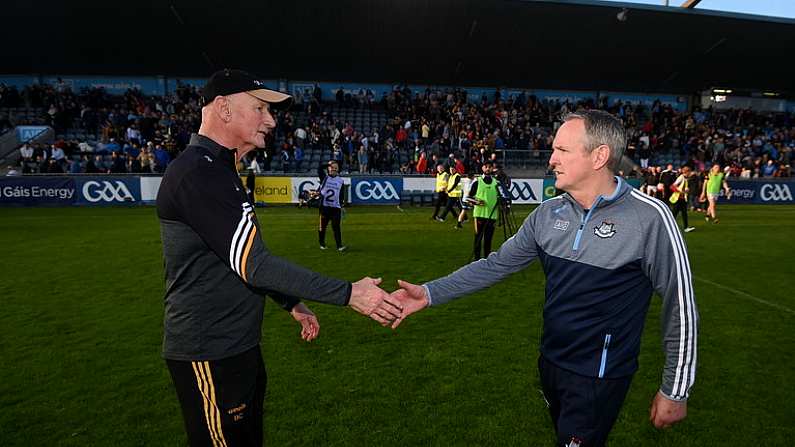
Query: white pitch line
point(746, 295)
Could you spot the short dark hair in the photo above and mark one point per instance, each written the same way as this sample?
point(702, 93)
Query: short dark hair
point(602, 128)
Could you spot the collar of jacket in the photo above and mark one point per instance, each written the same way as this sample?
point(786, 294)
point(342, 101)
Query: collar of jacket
point(225, 154)
point(622, 189)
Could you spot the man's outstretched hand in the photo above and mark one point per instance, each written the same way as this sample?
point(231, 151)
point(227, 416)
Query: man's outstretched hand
point(412, 298)
point(370, 300)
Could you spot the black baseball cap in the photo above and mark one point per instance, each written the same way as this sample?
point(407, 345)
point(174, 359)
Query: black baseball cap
point(229, 81)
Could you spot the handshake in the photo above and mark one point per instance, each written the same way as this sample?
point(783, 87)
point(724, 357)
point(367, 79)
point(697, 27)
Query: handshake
point(388, 309)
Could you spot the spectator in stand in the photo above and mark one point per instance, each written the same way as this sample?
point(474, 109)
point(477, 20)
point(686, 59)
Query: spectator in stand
point(285, 159)
point(132, 150)
point(769, 169)
point(644, 153)
point(112, 146)
point(75, 166)
point(42, 166)
point(253, 163)
point(162, 158)
point(54, 167)
point(117, 164)
point(151, 162)
point(57, 154)
point(85, 148)
point(91, 165)
point(134, 164)
point(298, 155)
point(143, 159)
point(300, 137)
point(362, 158)
point(133, 134)
point(26, 154)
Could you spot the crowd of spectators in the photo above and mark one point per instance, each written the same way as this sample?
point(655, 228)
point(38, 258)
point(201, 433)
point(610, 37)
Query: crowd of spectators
point(139, 133)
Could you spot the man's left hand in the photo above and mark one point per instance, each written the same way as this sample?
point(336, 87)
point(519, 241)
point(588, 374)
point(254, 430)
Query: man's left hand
point(310, 328)
point(665, 412)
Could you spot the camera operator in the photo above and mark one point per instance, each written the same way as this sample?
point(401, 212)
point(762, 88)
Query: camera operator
point(503, 185)
point(487, 199)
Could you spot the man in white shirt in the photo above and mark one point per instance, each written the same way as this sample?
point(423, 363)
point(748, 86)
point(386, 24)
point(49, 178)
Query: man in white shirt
point(300, 136)
point(26, 152)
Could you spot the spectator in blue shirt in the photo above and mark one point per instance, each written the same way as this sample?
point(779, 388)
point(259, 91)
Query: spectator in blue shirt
point(133, 150)
point(75, 167)
point(113, 146)
point(498, 143)
point(161, 158)
point(298, 155)
point(769, 169)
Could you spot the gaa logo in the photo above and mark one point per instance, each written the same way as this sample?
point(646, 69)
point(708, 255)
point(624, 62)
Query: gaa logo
point(307, 185)
point(374, 190)
point(105, 191)
point(776, 193)
point(522, 191)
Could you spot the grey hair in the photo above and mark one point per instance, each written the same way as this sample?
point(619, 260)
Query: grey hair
point(602, 128)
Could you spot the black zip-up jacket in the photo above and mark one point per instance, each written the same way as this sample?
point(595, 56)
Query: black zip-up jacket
point(217, 267)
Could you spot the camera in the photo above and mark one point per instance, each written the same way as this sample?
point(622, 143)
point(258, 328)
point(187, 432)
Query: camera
point(503, 186)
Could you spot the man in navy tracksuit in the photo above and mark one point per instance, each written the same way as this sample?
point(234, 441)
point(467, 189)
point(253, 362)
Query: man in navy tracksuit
point(604, 248)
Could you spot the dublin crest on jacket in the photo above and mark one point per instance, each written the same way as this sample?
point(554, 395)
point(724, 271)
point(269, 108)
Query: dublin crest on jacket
point(605, 230)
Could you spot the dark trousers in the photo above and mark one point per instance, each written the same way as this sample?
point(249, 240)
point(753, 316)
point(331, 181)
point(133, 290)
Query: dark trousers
point(680, 205)
point(441, 200)
point(222, 400)
point(583, 409)
point(484, 232)
point(333, 215)
point(452, 202)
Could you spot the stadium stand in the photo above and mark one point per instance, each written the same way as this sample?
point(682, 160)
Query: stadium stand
point(397, 131)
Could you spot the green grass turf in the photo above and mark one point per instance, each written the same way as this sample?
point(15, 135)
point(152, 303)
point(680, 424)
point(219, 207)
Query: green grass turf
point(81, 326)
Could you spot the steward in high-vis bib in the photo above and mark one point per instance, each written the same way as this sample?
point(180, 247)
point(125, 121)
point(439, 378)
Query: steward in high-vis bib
point(441, 189)
point(680, 190)
point(454, 192)
point(484, 191)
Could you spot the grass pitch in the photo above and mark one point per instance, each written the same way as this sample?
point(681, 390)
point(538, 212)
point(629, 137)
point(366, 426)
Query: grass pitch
point(81, 326)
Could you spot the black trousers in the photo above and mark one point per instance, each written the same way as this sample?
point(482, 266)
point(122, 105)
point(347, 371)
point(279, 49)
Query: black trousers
point(222, 400)
point(484, 232)
point(333, 215)
point(680, 205)
point(441, 199)
point(583, 409)
point(452, 202)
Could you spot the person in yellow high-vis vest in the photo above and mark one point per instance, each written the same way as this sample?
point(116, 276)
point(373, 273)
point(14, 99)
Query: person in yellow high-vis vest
point(680, 189)
point(441, 189)
point(454, 193)
point(486, 198)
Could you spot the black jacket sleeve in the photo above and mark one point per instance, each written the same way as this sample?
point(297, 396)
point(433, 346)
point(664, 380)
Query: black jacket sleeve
point(473, 190)
point(213, 203)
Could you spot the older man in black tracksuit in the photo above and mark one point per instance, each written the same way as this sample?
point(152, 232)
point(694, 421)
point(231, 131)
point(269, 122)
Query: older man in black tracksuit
point(218, 270)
